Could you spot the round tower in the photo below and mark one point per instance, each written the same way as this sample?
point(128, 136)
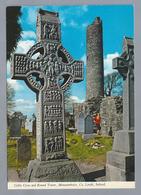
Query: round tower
point(95, 70)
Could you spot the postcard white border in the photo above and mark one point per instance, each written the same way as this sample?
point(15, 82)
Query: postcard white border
point(3, 152)
point(70, 185)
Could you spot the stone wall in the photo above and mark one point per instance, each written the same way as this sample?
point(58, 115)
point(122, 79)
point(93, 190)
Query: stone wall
point(111, 111)
point(90, 106)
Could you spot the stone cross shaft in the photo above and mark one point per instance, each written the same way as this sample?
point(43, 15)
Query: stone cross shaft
point(125, 66)
point(48, 70)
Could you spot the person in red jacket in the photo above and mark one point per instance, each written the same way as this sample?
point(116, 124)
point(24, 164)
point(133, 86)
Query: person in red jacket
point(97, 121)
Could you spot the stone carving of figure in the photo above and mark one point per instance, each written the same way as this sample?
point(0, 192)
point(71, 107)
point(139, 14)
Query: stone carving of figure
point(60, 143)
point(50, 127)
point(51, 144)
point(56, 144)
point(52, 32)
point(45, 127)
point(55, 126)
point(59, 126)
point(46, 145)
point(50, 64)
point(46, 111)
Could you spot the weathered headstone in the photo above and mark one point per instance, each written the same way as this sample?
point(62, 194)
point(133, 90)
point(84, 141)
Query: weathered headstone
point(15, 126)
point(81, 123)
point(89, 125)
point(24, 149)
point(34, 127)
point(120, 161)
point(48, 69)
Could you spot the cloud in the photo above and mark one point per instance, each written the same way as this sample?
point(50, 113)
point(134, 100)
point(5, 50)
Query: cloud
point(27, 107)
point(73, 23)
point(15, 84)
point(26, 103)
point(24, 46)
point(28, 35)
point(108, 62)
point(31, 13)
point(75, 99)
point(83, 58)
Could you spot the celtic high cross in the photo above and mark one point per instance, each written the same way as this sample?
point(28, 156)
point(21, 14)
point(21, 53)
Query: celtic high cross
point(125, 66)
point(48, 69)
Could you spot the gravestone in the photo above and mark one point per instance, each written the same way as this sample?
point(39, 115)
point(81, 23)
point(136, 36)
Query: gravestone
point(48, 69)
point(81, 123)
point(76, 121)
point(34, 126)
point(15, 125)
point(24, 149)
point(120, 161)
point(89, 127)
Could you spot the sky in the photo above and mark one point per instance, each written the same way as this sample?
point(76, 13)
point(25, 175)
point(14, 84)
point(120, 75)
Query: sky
point(118, 21)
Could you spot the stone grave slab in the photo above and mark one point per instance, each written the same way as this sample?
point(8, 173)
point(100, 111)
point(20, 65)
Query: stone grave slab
point(24, 149)
point(89, 125)
point(81, 125)
point(15, 126)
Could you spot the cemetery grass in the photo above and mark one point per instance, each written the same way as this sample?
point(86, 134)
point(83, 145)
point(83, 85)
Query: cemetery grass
point(79, 149)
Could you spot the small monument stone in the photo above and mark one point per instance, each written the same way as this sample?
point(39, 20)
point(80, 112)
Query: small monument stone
point(34, 126)
point(15, 126)
point(24, 149)
point(81, 123)
point(88, 125)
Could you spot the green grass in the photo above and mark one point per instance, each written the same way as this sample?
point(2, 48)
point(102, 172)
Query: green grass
point(76, 149)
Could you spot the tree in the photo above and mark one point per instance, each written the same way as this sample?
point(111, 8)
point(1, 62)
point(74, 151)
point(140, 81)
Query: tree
point(113, 84)
point(10, 98)
point(13, 33)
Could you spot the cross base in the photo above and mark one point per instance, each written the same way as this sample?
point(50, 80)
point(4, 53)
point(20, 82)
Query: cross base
point(53, 171)
point(120, 161)
point(119, 167)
